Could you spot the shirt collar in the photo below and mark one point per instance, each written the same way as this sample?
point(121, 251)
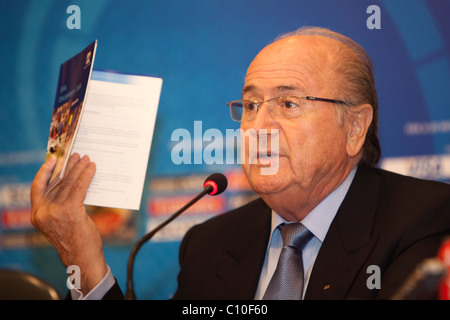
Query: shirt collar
point(318, 221)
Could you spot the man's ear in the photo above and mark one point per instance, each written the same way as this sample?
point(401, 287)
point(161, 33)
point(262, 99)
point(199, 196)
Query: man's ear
point(359, 119)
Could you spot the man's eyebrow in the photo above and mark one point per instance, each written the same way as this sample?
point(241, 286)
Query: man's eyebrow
point(288, 88)
point(248, 89)
point(281, 88)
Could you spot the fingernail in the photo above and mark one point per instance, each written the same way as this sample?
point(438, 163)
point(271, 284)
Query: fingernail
point(51, 159)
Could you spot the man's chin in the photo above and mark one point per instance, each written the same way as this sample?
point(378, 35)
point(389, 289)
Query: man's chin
point(265, 184)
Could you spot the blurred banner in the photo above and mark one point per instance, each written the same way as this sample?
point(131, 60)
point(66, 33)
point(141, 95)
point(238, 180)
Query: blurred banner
point(201, 49)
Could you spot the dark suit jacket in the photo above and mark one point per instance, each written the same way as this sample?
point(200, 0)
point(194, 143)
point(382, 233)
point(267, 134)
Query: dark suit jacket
point(387, 220)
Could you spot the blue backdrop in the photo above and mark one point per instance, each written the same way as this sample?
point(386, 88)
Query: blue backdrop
point(201, 49)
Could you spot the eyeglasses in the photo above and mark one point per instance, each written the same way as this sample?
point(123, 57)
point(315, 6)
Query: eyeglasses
point(285, 107)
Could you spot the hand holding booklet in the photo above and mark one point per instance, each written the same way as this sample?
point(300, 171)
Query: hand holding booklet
point(110, 117)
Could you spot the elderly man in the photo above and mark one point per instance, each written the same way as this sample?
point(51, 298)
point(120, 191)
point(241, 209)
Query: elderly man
point(322, 219)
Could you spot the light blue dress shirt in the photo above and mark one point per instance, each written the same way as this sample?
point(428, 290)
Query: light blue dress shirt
point(318, 221)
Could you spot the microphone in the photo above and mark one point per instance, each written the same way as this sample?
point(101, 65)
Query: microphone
point(422, 282)
point(214, 185)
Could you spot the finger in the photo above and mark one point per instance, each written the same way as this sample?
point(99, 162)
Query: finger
point(67, 185)
point(81, 186)
point(73, 159)
point(41, 179)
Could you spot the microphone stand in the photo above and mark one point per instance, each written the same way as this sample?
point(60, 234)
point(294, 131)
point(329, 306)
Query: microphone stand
point(130, 295)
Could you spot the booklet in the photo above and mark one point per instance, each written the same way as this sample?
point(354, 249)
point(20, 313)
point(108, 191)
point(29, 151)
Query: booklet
point(110, 117)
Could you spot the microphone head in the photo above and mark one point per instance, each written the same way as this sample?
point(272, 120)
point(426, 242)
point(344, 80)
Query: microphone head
point(218, 182)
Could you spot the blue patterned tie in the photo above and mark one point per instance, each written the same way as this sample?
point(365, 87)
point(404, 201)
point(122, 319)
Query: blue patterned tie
point(287, 281)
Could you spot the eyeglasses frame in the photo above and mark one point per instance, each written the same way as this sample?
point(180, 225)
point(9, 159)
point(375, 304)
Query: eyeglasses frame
point(260, 103)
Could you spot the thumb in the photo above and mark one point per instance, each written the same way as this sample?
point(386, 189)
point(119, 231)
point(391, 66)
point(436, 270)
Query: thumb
point(41, 179)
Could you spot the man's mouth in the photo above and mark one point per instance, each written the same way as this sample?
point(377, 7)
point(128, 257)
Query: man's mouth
point(267, 155)
point(264, 155)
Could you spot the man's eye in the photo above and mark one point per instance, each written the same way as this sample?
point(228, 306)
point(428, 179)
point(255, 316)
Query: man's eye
point(288, 104)
point(250, 106)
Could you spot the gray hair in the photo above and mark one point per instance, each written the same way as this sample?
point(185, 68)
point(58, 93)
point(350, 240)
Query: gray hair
point(356, 85)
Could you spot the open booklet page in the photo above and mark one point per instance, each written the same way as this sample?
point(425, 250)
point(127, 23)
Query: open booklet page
point(116, 133)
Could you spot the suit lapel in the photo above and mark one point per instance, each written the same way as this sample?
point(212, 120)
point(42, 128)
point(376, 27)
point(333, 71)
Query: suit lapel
point(237, 265)
point(349, 240)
